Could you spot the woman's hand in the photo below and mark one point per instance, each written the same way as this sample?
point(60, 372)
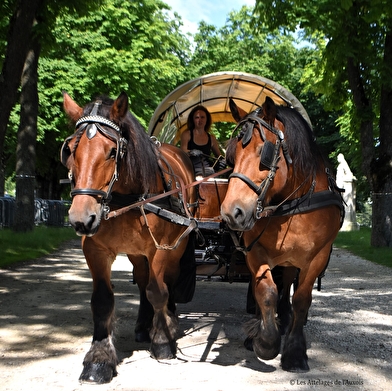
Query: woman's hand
point(195, 152)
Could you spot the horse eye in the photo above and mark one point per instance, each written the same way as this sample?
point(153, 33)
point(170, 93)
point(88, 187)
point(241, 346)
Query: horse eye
point(112, 154)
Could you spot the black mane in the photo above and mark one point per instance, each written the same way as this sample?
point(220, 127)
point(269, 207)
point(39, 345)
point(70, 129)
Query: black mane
point(141, 159)
point(300, 141)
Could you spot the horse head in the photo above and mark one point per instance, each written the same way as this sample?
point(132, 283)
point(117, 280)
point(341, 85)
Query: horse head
point(93, 156)
point(263, 169)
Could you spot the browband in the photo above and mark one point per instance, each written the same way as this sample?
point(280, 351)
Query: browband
point(97, 119)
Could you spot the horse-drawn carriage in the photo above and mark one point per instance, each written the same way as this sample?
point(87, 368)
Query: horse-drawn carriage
point(217, 254)
point(135, 193)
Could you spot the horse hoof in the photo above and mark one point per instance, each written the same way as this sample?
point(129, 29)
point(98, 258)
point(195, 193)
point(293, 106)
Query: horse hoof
point(248, 343)
point(97, 373)
point(266, 351)
point(163, 351)
point(142, 336)
point(297, 365)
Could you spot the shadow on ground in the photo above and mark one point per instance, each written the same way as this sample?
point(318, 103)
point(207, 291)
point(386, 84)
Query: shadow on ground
point(45, 320)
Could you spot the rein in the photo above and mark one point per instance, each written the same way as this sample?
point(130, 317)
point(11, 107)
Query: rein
point(142, 201)
point(93, 123)
point(189, 221)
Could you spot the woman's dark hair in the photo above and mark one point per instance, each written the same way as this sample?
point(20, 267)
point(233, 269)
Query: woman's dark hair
point(191, 122)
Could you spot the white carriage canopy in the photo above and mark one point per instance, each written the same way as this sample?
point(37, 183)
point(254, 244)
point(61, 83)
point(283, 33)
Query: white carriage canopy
point(214, 91)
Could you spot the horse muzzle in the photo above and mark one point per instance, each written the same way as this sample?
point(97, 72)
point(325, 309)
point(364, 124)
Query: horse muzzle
point(238, 216)
point(85, 215)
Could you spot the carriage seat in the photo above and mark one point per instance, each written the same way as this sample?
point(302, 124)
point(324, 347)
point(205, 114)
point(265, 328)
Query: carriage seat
point(211, 195)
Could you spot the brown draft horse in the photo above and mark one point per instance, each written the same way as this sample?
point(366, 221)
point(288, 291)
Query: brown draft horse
point(283, 198)
point(113, 162)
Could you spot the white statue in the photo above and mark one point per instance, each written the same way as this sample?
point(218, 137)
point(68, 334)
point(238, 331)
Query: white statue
point(346, 180)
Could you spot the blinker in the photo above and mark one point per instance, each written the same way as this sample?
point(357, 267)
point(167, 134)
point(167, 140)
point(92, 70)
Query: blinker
point(65, 152)
point(247, 133)
point(267, 154)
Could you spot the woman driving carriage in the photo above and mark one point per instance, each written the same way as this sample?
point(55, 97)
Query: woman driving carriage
point(198, 142)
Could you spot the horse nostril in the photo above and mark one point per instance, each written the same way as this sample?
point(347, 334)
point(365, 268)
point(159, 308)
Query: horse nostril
point(91, 220)
point(238, 213)
point(85, 227)
point(235, 217)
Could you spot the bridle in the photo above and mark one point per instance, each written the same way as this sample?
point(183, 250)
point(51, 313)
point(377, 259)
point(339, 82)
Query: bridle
point(91, 124)
point(269, 156)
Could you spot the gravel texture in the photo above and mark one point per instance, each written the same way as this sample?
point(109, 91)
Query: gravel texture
point(46, 326)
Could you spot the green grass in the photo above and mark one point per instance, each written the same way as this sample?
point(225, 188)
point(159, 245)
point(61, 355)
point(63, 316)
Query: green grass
point(358, 243)
point(16, 247)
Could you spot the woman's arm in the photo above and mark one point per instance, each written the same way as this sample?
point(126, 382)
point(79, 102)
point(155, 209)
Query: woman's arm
point(215, 146)
point(185, 137)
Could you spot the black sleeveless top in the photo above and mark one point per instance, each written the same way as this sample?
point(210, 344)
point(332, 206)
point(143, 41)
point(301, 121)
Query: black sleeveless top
point(206, 148)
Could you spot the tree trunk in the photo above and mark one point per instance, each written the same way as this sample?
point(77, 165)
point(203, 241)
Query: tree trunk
point(376, 168)
point(364, 112)
point(17, 47)
point(382, 219)
point(27, 135)
point(382, 166)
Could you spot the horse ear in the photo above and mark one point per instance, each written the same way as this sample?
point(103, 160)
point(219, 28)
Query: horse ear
point(269, 110)
point(120, 107)
point(236, 111)
point(71, 108)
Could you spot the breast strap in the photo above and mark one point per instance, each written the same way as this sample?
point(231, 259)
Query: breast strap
point(307, 203)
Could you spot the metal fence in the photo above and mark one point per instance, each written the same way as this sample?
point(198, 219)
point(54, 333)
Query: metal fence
point(47, 212)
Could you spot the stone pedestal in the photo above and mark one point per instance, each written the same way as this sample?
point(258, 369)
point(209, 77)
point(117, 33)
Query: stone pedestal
point(346, 180)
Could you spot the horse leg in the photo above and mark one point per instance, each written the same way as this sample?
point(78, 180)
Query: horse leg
point(144, 319)
point(99, 365)
point(264, 333)
point(283, 280)
point(164, 331)
point(294, 357)
point(146, 311)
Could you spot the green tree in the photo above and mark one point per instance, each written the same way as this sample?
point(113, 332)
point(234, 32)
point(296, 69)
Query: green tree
point(23, 45)
point(117, 46)
point(22, 16)
point(236, 46)
point(27, 134)
point(356, 67)
point(123, 46)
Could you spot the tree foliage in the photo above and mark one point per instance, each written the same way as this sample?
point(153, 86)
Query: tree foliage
point(348, 30)
point(123, 46)
point(236, 46)
point(114, 46)
point(21, 22)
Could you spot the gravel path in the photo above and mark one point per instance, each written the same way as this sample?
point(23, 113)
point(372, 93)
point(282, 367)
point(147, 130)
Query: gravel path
point(45, 331)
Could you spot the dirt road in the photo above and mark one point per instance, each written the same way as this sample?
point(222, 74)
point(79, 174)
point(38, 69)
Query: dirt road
point(45, 331)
